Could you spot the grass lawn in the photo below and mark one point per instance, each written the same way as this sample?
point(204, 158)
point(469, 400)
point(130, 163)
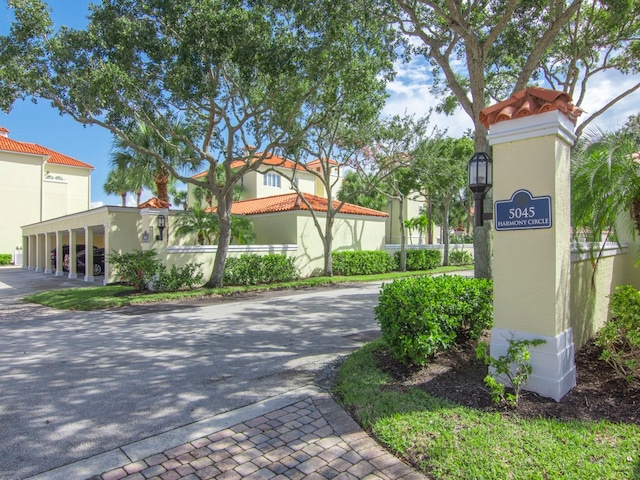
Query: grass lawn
point(97, 298)
point(447, 441)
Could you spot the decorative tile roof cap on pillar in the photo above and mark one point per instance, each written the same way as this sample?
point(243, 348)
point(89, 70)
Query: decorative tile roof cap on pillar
point(531, 101)
point(154, 202)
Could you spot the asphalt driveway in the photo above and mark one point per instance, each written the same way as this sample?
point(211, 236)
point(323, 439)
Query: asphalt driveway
point(76, 384)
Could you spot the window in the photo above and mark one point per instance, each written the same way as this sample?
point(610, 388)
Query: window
point(272, 180)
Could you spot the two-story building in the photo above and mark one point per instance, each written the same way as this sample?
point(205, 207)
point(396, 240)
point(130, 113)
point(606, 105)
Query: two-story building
point(37, 184)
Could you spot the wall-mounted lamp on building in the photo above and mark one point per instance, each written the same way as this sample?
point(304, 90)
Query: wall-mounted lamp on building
point(162, 223)
point(480, 182)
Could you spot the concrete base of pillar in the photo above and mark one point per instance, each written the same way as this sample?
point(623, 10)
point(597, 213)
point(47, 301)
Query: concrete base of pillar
point(48, 271)
point(38, 270)
point(554, 368)
point(59, 274)
point(73, 275)
point(88, 278)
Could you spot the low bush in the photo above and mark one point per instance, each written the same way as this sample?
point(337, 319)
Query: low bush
point(5, 258)
point(251, 269)
point(460, 257)
point(137, 268)
point(420, 316)
point(421, 259)
point(619, 338)
point(363, 262)
point(178, 278)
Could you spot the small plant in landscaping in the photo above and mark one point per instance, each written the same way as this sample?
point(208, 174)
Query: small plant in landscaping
point(5, 258)
point(460, 257)
point(619, 338)
point(517, 356)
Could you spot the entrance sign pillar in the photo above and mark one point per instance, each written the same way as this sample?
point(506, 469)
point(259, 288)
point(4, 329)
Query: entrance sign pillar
point(532, 218)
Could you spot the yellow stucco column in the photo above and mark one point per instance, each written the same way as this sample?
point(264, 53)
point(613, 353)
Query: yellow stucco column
point(47, 253)
point(39, 253)
point(532, 258)
point(73, 241)
point(88, 254)
point(59, 253)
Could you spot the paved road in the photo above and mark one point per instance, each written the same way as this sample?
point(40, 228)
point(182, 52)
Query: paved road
point(75, 384)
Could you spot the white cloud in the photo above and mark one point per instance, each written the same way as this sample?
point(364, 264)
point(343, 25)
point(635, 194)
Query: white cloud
point(132, 200)
point(603, 89)
point(97, 204)
point(410, 93)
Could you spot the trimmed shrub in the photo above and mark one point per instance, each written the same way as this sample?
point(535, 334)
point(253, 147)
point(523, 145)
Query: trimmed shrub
point(619, 338)
point(5, 258)
point(363, 262)
point(460, 257)
point(421, 259)
point(421, 316)
point(137, 268)
point(178, 278)
point(252, 269)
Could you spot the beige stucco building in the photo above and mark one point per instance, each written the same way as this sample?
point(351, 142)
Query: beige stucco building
point(37, 184)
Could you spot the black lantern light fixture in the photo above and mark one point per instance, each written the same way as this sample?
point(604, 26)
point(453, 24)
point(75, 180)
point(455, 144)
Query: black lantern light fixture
point(162, 223)
point(480, 182)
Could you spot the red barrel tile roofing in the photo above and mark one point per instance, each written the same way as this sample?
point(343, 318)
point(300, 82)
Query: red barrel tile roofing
point(531, 101)
point(290, 202)
point(155, 202)
point(9, 145)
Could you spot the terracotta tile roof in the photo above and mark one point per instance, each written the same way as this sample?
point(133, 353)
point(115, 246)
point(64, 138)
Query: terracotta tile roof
point(318, 161)
point(272, 160)
point(154, 202)
point(9, 145)
point(530, 101)
point(290, 202)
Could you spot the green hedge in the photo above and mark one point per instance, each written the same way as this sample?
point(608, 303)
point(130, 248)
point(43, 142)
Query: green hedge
point(5, 258)
point(421, 316)
point(421, 259)
point(364, 262)
point(619, 338)
point(251, 269)
point(460, 257)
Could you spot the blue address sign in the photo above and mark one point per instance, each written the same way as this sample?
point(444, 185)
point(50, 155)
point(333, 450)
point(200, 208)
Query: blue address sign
point(523, 212)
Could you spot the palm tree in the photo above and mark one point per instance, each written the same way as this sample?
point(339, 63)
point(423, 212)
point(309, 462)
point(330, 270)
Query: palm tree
point(204, 225)
point(144, 160)
point(118, 184)
point(242, 230)
point(605, 183)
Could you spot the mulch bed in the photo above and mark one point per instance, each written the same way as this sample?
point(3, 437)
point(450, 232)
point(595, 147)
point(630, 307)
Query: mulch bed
point(457, 375)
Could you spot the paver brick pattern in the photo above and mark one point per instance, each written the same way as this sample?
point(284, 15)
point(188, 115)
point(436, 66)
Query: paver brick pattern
point(291, 443)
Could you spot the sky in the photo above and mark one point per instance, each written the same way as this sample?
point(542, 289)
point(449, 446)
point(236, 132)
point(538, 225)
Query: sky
point(408, 93)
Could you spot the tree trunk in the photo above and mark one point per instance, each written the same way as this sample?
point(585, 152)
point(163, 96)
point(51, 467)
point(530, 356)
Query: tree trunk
point(482, 235)
point(224, 216)
point(124, 199)
point(403, 237)
point(162, 181)
point(328, 245)
point(429, 222)
point(445, 230)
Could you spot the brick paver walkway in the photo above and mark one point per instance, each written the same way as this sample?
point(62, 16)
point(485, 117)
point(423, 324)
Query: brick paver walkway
point(312, 438)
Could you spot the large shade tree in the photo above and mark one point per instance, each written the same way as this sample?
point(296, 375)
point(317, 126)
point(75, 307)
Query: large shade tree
point(242, 76)
point(486, 50)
